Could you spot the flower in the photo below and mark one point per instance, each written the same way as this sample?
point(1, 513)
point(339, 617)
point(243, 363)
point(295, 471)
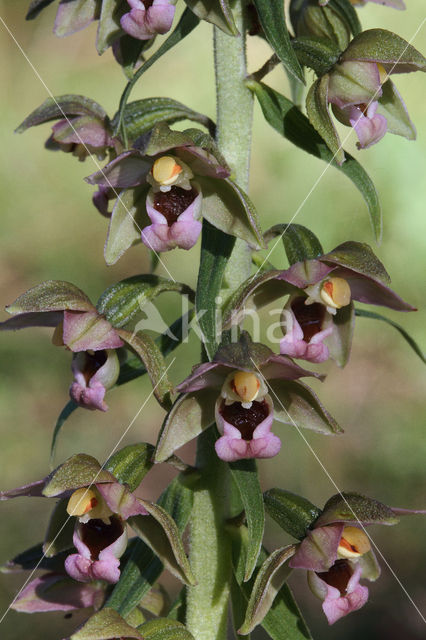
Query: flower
point(243, 389)
point(83, 127)
point(146, 18)
point(337, 551)
point(395, 4)
point(100, 507)
point(361, 93)
point(318, 317)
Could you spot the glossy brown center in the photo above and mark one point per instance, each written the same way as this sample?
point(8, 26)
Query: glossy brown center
point(309, 316)
point(338, 575)
point(174, 202)
point(97, 535)
point(148, 3)
point(94, 361)
point(245, 420)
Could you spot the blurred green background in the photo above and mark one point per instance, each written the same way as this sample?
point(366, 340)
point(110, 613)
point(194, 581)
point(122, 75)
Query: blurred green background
point(51, 231)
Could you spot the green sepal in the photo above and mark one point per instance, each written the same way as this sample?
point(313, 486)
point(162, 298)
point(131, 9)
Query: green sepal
point(60, 107)
point(128, 218)
point(217, 12)
point(60, 530)
point(81, 11)
point(320, 117)
point(141, 116)
point(293, 513)
point(319, 54)
point(81, 470)
point(51, 295)
point(393, 108)
point(359, 257)
point(380, 45)
point(299, 242)
point(190, 415)
point(164, 629)
point(106, 624)
point(109, 28)
point(245, 476)
point(131, 464)
point(244, 354)
point(288, 120)
point(269, 580)
point(122, 301)
point(272, 20)
point(354, 507)
point(363, 313)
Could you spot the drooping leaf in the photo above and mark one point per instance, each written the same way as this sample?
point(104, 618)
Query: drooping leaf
point(245, 475)
point(164, 629)
point(272, 20)
point(154, 363)
point(125, 299)
point(131, 464)
point(363, 313)
point(142, 115)
point(288, 120)
point(106, 624)
point(69, 408)
point(217, 12)
point(216, 248)
point(60, 530)
point(189, 416)
point(160, 532)
point(300, 243)
point(269, 580)
point(293, 513)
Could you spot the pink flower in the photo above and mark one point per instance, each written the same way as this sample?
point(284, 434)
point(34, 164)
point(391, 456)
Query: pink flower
point(146, 18)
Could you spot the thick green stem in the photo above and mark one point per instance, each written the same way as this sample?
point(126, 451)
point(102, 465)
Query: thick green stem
point(210, 553)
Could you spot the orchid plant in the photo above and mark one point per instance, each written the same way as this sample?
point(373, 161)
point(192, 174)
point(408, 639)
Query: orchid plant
point(163, 188)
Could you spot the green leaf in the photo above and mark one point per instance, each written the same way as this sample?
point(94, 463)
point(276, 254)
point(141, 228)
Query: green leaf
point(296, 405)
point(293, 513)
point(178, 499)
point(60, 530)
point(69, 408)
point(380, 45)
point(51, 295)
point(106, 624)
point(164, 629)
point(319, 54)
point(320, 118)
point(178, 609)
point(109, 28)
point(269, 580)
point(354, 507)
point(245, 475)
point(272, 20)
point(393, 108)
point(230, 210)
point(142, 115)
point(189, 416)
point(154, 363)
point(186, 24)
point(238, 607)
point(122, 301)
point(128, 218)
point(300, 243)
point(80, 470)
point(363, 313)
point(288, 120)
point(130, 53)
point(59, 107)
point(217, 12)
point(131, 464)
point(36, 7)
point(216, 248)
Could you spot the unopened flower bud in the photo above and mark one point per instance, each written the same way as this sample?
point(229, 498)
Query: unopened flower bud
point(246, 385)
point(353, 543)
point(81, 502)
point(336, 293)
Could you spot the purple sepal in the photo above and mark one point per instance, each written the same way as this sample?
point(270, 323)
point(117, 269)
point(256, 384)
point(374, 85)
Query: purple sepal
point(57, 592)
point(129, 169)
point(335, 605)
point(89, 563)
point(73, 16)
point(143, 23)
point(101, 199)
point(304, 274)
point(232, 446)
point(89, 330)
point(32, 319)
point(120, 500)
point(33, 490)
point(184, 233)
point(318, 551)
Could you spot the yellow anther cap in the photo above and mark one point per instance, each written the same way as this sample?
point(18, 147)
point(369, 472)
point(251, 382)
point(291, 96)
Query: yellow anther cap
point(82, 501)
point(353, 543)
point(382, 73)
point(246, 385)
point(336, 293)
point(165, 170)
